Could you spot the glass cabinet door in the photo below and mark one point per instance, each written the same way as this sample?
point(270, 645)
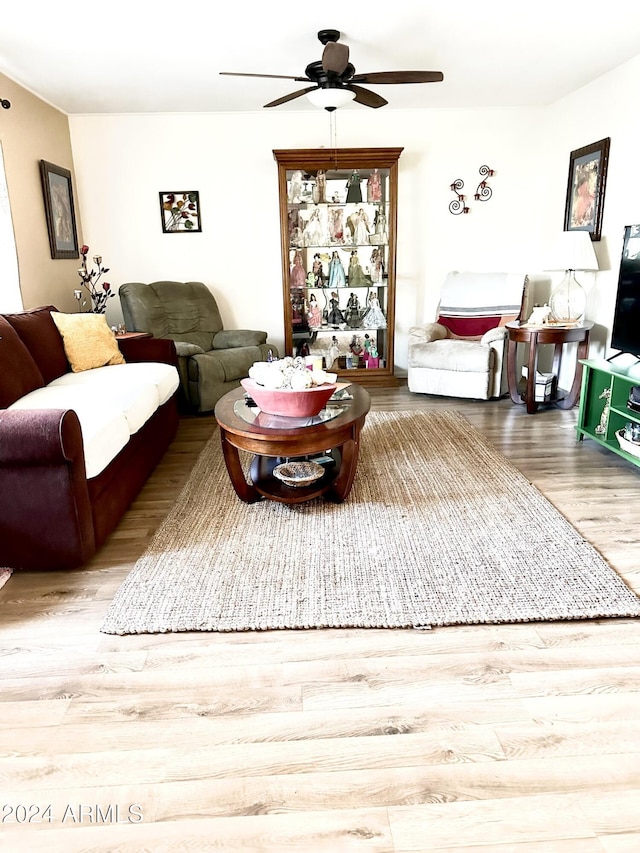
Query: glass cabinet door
point(338, 217)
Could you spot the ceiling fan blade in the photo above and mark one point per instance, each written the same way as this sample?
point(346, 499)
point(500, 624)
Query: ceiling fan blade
point(367, 98)
point(335, 57)
point(290, 97)
point(400, 77)
point(275, 76)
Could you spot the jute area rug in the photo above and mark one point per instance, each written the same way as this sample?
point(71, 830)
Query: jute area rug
point(439, 529)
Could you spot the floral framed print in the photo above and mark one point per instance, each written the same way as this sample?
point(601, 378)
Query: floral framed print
point(59, 210)
point(180, 212)
point(586, 188)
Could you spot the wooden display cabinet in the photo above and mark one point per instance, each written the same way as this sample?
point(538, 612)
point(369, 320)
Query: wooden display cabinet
point(338, 222)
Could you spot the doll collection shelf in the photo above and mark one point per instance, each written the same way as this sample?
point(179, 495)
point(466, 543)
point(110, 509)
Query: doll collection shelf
point(337, 167)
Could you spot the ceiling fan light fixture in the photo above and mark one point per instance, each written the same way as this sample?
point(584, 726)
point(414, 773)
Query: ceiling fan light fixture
point(329, 98)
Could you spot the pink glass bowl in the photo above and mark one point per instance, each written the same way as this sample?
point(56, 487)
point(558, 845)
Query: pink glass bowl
point(286, 401)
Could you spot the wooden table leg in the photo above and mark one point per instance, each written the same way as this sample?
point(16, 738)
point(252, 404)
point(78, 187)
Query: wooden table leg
point(532, 367)
point(244, 490)
point(512, 379)
point(350, 451)
point(571, 398)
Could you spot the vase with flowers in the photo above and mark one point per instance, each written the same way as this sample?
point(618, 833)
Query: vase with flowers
point(89, 279)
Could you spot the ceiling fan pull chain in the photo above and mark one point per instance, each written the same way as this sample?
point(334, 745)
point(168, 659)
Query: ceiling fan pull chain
point(333, 135)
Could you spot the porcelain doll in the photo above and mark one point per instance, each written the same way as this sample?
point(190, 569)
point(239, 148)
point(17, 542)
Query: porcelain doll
point(335, 314)
point(295, 187)
point(319, 278)
point(313, 233)
point(356, 345)
point(319, 194)
point(354, 191)
point(314, 314)
point(358, 224)
point(357, 278)
point(298, 274)
point(337, 276)
point(352, 314)
point(381, 233)
point(374, 317)
point(374, 189)
point(334, 352)
point(336, 227)
point(377, 266)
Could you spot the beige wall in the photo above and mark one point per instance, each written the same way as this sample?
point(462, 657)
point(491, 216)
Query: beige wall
point(32, 131)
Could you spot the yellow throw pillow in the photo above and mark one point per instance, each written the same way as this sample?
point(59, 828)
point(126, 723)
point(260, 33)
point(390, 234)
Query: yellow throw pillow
point(88, 340)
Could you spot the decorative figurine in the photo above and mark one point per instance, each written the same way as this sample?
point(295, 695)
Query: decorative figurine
point(313, 234)
point(381, 233)
point(356, 345)
point(318, 271)
point(336, 317)
point(297, 238)
point(336, 227)
point(358, 224)
point(314, 314)
point(377, 266)
point(334, 352)
point(295, 187)
point(298, 274)
point(539, 315)
point(320, 189)
point(357, 278)
point(337, 276)
point(354, 191)
point(374, 187)
point(352, 315)
point(374, 317)
point(604, 417)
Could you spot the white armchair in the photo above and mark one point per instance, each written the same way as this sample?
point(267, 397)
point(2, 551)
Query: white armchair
point(463, 354)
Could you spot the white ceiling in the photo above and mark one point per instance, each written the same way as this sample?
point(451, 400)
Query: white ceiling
point(146, 56)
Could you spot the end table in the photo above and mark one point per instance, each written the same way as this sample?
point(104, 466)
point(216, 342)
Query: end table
point(535, 336)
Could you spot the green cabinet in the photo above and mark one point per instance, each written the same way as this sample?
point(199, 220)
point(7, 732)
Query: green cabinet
point(603, 404)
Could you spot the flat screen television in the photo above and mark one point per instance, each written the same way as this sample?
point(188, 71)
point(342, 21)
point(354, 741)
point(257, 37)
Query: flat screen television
point(625, 335)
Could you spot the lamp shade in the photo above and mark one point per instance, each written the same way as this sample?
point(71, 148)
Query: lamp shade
point(573, 250)
point(329, 98)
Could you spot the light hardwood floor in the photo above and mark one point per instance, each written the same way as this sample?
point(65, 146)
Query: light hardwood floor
point(491, 739)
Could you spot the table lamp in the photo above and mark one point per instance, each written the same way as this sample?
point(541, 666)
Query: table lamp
point(573, 251)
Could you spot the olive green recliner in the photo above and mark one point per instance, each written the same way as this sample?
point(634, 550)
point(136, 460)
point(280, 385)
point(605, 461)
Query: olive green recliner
point(211, 360)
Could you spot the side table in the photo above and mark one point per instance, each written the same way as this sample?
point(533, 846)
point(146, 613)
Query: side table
point(535, 336)
point(127, 336)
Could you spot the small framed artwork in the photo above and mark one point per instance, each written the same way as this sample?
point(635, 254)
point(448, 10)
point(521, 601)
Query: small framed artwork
point(586, 187)
point(180, 212)
point(59, 210)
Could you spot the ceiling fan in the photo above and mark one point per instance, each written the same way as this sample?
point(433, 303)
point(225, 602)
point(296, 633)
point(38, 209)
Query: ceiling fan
point(335, 77)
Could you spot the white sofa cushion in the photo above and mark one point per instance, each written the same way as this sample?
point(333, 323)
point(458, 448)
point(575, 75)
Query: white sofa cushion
point(112, 403)
point(163, 377)
point(105, 430)
point(453, 355)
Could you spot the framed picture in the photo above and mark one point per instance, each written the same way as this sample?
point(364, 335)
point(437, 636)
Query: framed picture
point(180, 212)
point(59, 210)
point(585, 188)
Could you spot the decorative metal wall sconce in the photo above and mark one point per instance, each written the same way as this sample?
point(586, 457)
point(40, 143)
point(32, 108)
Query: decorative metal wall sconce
point(484, 191)
point(457, 206)
point(5, 104)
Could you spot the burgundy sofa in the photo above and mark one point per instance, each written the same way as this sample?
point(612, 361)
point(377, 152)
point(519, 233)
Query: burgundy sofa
point(51, 515)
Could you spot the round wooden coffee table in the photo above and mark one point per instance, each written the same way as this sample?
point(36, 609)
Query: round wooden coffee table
point(332, 439)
